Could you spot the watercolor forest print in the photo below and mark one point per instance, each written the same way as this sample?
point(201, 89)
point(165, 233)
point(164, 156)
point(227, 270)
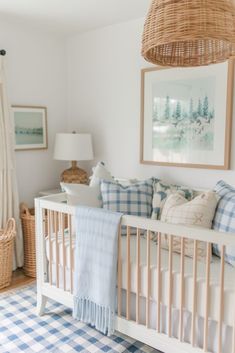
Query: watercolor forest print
point(183, 114)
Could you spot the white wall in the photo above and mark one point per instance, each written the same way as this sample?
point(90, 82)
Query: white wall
point(36, 75)
point(104, 99)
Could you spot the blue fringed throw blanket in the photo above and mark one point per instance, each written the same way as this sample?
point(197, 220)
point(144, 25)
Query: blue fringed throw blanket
point(96, 267)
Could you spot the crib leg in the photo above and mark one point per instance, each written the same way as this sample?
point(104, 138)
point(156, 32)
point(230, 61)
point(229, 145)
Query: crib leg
point(41, 304)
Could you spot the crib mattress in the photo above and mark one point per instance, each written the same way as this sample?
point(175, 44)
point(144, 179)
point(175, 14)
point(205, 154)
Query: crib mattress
point(229, 283)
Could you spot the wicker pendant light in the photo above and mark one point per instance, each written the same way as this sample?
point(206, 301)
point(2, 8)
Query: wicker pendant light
point(189, 32)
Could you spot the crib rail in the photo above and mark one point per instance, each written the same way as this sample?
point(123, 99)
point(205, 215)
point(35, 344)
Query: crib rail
point(54, 214)
point(58, 203)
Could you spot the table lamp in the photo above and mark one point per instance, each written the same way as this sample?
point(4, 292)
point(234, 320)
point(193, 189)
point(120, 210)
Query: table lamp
point(73, 147)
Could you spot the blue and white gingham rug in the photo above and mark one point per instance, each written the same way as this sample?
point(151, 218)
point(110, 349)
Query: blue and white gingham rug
point(21, 330)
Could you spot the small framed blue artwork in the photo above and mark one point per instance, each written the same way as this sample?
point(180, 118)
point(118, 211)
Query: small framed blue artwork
point(30, 124)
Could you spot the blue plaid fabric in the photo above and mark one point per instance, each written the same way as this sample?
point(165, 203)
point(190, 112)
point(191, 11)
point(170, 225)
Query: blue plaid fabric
point(21, 330)
point(135, 200)
point(224, 220)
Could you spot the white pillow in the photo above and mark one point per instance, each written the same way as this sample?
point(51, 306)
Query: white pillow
point(198, 212)
point(100, 173)
point(80, 194)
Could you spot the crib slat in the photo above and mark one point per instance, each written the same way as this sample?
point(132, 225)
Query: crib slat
point(71, 252)
point(207, 303)
point(170, 285)
point(148, 279)
point(45, 229)
point(119, 270)
point(181, 290)
point(44, 222)
point(56, 247)
point(49, 225)
point(194, 293)
point(52, 222)
point(233, 338)
point(138, 277)
point(128, 285)
point(159, 282)
point(64, 249)
point(221, 300)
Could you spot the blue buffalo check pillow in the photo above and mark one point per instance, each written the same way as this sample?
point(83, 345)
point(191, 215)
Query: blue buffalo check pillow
point(134, 200)
point(224, 220)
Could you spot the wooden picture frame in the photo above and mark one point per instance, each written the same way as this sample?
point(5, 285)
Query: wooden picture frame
point(30, 126)
point(174, 131)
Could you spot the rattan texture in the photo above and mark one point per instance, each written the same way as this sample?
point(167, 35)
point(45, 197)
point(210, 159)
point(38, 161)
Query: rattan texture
point(7, 236)
point(28, 226)
point(184, 33)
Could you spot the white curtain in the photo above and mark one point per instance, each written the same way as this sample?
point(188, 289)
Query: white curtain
point(9, 200)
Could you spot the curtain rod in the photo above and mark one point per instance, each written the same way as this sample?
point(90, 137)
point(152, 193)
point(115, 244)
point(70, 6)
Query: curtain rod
point(2, 52)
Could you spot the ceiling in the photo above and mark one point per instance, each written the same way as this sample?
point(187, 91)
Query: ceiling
point(70, 16)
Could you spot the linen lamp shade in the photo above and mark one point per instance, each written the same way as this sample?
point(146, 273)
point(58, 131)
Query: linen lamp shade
point(73, 147)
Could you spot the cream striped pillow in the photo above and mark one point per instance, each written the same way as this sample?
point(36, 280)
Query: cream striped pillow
point(198, 212)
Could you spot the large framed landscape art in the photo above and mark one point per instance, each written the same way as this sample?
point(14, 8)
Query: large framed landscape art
point(186, 116)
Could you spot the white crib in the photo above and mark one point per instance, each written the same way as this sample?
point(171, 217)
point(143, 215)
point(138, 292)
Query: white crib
point(166, 300)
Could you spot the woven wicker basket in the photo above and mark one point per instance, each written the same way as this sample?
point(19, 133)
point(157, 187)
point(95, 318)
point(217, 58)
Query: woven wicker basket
point(7, 236)
point(28, 226)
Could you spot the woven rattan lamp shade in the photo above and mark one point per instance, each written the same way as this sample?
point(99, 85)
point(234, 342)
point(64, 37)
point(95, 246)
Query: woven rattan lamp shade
point(189, 32)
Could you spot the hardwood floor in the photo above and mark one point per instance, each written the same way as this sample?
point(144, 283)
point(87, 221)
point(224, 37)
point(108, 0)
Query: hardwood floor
point(18, 279)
